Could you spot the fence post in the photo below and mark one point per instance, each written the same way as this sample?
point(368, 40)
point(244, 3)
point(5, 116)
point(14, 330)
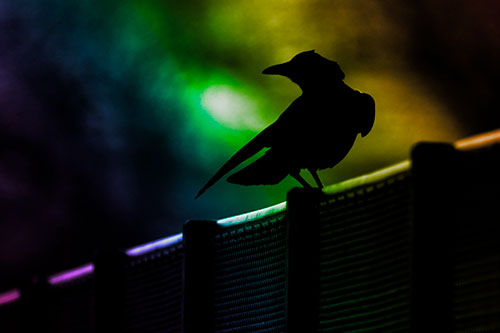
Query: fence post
point(199, 242)
point(109, 286)
point(433, 166)
point(33, 306)
point(302, 293)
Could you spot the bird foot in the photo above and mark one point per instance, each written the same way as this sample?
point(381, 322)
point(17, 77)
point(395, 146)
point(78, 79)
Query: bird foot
point(316, 178)
point(301, 180)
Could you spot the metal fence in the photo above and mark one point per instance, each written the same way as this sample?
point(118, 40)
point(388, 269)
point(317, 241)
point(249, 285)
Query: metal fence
point(410, 248)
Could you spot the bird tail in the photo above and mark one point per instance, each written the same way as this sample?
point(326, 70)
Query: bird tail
point(250, 149)
point(267, 170)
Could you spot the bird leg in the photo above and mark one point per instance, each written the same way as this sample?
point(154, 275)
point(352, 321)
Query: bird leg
point(316, 178)
point(300, 179)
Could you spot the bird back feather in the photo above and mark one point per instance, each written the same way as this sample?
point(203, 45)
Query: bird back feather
point(367, 107)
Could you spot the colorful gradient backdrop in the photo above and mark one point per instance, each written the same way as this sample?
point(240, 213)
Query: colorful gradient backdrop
point(114, 113)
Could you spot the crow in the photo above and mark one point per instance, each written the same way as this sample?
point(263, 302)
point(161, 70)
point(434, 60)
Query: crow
point(315, 132)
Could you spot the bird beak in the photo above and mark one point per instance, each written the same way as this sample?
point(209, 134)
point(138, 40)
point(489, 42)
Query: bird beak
point(281, 69)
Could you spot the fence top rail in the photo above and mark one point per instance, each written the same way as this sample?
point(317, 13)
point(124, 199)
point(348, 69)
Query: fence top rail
point(255, 215)
point(363, 180)
point(370, 178)
point(154, 245)
point(478, 141)
point(9, 296)
point(71, 274)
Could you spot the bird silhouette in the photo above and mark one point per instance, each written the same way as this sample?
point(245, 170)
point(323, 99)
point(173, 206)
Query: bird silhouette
point(315, 132)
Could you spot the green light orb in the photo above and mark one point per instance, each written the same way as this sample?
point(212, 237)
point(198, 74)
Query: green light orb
point(231, 108)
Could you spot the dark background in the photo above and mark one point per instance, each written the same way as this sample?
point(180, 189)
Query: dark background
point(114, 113)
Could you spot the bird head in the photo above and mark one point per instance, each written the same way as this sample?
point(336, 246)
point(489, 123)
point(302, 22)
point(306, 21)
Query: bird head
point(308, 68)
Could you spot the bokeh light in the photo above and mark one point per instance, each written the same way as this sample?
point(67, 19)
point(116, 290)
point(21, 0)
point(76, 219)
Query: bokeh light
point(231, 108)
point(119, 111)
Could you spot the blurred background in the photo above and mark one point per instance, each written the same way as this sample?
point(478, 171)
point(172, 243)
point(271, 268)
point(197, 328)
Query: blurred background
point(113, 114)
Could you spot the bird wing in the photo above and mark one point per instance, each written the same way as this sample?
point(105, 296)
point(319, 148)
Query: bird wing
point(258, 143)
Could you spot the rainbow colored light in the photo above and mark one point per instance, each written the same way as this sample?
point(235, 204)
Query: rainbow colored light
point(154, 245)
point(258, 214)
point(480, 140)
point(193, 74)
point(71, 274)
point(9, 296)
